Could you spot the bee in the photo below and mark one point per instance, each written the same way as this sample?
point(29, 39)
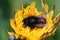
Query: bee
point(36, 21)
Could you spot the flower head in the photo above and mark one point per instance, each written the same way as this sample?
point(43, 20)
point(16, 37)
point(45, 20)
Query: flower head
point(30, 24)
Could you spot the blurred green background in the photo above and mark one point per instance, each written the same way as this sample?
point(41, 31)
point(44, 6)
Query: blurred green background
point(7, 8)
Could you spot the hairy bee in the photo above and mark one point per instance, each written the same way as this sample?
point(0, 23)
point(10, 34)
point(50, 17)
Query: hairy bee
point(35, 21)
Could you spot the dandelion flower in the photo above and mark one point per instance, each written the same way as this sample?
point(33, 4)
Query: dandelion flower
point(30, 24)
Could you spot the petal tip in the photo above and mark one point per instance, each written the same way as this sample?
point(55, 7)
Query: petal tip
point(54, 7)
point(33, 3)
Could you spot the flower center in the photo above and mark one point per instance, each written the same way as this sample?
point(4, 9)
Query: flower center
point(31, 21)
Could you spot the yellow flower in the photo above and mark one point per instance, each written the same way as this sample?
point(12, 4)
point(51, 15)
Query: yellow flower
point(29, 24)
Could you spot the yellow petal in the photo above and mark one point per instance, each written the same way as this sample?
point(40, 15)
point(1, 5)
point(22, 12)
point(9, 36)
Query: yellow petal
point(30, 11)
point(11, 34)
point(44, 6)
point(33, 4)
point(56, 20)
point(18, 17)
point(13, 25)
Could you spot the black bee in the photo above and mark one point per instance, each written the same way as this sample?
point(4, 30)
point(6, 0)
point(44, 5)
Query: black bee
point(35, 21)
